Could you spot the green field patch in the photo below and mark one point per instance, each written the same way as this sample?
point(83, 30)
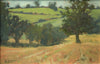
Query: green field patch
point(96, 13)
point(55, 22)
point(38, 10)
point(47, 18)
point(34, 18)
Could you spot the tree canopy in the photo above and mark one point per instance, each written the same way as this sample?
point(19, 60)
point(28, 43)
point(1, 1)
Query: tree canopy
point(77, 19)
point(28, 6)
point(4, 14)
point(37, 3)
point(17, 27)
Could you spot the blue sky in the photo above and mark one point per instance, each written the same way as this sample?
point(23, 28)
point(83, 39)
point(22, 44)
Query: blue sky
point(45, 3)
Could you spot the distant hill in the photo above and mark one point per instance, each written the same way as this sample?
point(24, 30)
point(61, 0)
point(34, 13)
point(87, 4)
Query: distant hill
point(41, 16)
point(38, 10)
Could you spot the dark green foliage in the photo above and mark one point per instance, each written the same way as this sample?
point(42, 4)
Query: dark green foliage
point(28, 6)
point(57, 36)
point(17, 6)
point(46, 35)
point(37, 3)
point(33, 32)
point(10, 26)
point(4, 14)
point(51, 36)
point(77, 18)
point(96, 28)
point(17, 28)
point(52, 5)
point(61, 7)
point(14, 27)
point(98, 7)
point(7, 4)
point(19, 45)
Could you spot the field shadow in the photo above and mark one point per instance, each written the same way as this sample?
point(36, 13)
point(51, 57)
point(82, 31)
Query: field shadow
point(12, 44)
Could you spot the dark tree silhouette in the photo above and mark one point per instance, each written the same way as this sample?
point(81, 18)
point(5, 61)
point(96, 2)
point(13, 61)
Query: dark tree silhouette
point(28, 6)
point(4, 14)
point(61, 7)
point(98, 7)
point(33, 32)
point(52, 5)
point(17, 28)
point(37, 3)
point(77, 18)
point(97, 27)
point(51, 35)
point(17, 6)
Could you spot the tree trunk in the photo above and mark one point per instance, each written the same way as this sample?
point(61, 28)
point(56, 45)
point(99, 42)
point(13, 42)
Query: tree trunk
point(17, 41)
point(30, 42)
point(39, 42)
point(77, 38)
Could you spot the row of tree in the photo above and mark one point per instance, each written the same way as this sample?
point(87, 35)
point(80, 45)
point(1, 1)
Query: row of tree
point(51, 5)
point(98, 7)
point(45, 35)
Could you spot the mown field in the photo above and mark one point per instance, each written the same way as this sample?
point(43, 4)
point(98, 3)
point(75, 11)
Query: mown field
point(66, 53)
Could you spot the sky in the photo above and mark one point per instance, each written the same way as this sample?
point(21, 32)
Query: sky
point(45, 3)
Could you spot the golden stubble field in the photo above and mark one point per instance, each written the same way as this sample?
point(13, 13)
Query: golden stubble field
point(66, 53)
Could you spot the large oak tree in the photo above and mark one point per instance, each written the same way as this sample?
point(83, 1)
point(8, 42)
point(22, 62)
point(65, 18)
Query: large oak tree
point(77, 18)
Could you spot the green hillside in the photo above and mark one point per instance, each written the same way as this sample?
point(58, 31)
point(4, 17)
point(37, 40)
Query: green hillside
point(47, 15)
point(35, 18)
point(96, 13)
point(38, 10)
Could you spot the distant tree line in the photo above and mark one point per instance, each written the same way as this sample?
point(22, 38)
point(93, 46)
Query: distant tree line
point(51, 5)
point(96, 28)
point(98, 7)
point(45, 35)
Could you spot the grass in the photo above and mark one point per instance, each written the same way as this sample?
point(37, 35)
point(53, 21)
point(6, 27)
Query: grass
point(87, 38)
point(96, 13)
point(67, 53)
point(34, 18)
point(55, 22)
point(38, 10)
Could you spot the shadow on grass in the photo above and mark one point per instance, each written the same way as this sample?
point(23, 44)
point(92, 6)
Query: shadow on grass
point(19, 44)
point(12, 44)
